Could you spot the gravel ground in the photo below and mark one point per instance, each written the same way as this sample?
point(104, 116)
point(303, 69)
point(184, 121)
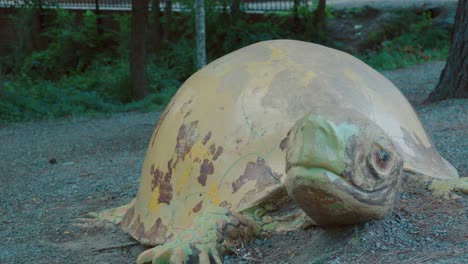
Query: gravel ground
point(54, 172)
point(97, 166)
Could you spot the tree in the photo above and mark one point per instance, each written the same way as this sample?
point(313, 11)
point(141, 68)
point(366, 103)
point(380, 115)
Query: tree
point(200, 29)
point(2, 93)
point(453, 82)
point(138, 78)
point(235, 10)
point(319, 15)
point(156, 25)
point(99, 17)
point(168, 20)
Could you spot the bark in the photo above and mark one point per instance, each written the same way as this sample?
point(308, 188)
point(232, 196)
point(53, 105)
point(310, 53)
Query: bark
point(168, 16)
point(2, 93)
point(235, 10)
point(99, 17)
point(296, 12)
point(156, 25)
point(138, 78)
point(319, 15)
point(37, 27)
point(453, 82)
point(201, 34)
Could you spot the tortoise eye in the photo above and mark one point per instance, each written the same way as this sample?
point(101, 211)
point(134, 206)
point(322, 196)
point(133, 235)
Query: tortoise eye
point(382, 158)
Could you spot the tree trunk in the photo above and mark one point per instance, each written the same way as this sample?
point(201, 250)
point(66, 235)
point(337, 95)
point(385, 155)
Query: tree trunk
point(99, 17)
point(296, 20)
point(156, 25)
point(453, 82)
point(37, 27)
point(296, 10)
point(319, 15)
point(168, 20)
point(201, 34)
point(2, 93)
point(235, 10)
point(139, 81)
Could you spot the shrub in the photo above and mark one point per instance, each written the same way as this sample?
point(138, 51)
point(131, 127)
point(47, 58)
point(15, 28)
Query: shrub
point(82, 71)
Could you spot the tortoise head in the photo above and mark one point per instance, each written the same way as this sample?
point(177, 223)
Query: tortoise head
point(342, 172)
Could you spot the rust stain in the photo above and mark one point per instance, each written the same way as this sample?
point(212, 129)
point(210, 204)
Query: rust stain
point(257, 171)
point(163, 182)
point(188, 113)
point(170, 166)
point(165, 190)
point(212, 149)
point(206, 138)
point(128, 217)
point(206, 169)
point(157, 176)
point(238, 141)
point(197, 159)
point(158, 231)
point(218, 153)
point(186, 138)
point(283, 143)
point(197, 207)
point(138, 229)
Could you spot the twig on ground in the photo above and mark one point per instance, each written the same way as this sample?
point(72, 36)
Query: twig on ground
point(117, 247)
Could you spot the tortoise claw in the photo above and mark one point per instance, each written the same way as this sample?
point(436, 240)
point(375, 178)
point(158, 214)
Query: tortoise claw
point(154, 255)
point(447, 189)
point(178, 253)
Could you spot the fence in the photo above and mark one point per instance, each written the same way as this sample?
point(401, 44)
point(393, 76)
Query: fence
point(125, 5)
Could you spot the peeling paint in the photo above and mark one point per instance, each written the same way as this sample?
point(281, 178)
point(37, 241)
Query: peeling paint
point(206, 169)
point(163, 183)
point(197, 207)
point(206, 138)
point(218, 153)
point(259, 172)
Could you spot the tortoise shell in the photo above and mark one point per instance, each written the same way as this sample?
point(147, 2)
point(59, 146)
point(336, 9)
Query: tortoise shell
point(221, 139)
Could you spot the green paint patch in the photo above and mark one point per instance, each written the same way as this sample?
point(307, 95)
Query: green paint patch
point(163, 259)
point(256, 213)
point(270, 227)
point(324, 143)
point(336, 206)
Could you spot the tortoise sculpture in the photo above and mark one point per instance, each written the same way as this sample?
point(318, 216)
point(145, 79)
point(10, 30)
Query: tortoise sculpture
point(273, 137)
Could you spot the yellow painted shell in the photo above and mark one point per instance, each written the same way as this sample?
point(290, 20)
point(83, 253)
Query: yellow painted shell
point(220, 139)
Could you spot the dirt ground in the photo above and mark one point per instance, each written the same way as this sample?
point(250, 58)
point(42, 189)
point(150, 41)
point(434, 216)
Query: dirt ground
point(54, 172)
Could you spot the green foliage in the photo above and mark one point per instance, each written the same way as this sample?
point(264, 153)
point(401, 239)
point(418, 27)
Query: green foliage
point(72, 46)
point(103, 88)
point(45, 99)
point(406, 39)
point(83, 72)
point(123, 35)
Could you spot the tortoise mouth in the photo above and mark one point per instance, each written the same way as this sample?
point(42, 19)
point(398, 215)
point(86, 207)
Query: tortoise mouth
point(320, 177)
point(330, 199)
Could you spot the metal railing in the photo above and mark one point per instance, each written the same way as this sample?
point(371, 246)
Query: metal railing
point(125, 5)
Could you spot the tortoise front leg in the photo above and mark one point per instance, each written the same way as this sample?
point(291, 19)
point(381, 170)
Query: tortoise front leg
point(447, 189)
point(439, 188)
point(214, 231)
